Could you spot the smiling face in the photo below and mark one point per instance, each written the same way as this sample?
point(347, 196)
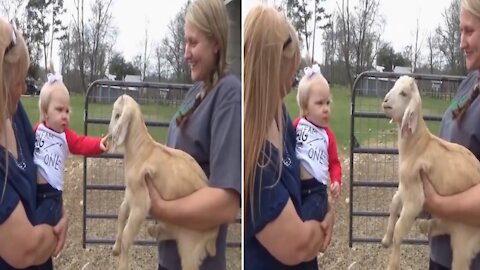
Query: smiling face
point(470, 39)
point(200, 52)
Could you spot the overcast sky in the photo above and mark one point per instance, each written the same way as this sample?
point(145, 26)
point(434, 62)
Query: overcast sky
point(400, 17)
point(131, 17)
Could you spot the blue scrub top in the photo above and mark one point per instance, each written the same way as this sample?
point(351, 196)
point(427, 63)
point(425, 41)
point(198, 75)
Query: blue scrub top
point(271, 194)
point(21, 182)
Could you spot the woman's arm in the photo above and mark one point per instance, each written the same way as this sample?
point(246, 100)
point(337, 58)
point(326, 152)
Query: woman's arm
point(463, 207)
point(204, 209)
point(291, 240)
point(60, 231)
point(327, 226)
point(25, 245)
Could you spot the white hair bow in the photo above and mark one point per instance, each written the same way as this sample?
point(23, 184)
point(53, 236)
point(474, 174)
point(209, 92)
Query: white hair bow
point(51, 78)
point(310, 71)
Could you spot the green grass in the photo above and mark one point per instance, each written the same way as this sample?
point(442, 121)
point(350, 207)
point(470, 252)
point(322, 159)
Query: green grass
point(152, 112)
point(368, 131)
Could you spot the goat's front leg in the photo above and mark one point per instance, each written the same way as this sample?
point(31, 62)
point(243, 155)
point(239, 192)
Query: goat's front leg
point(122, 220)
point(412, 206)
point(395, 208)
point(139, 206)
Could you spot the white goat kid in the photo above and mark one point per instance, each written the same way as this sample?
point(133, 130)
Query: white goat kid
point(174, 173)
point(450, 167)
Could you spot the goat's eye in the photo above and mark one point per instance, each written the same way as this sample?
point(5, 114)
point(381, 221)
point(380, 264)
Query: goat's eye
point(117, 116)
point(403, 94)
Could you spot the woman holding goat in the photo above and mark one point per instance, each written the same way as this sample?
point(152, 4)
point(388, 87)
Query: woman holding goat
point(22, 245)
point(460, 125)
point(208, 127)
point(276, 234)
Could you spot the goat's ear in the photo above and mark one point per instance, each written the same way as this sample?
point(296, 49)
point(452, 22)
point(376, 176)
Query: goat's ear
point(409, 120)
point(120, 130)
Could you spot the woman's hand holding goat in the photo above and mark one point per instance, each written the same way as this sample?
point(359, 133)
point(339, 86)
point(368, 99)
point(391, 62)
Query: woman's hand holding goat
point(462, 207)
point(432, 198)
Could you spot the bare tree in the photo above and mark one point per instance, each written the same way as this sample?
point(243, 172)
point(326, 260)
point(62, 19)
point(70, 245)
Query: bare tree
point(301, 14)
point(79, 36)
point(448, 36)
point(102, 37)
point(146, 53)
point(66, 49)
point(345, 40)
point(433, 53)
point(329, 43)
point(161, 64)
point(174, 45)
point(11, 9)
point(417, 47)
point(360, 34)
point(58, 30)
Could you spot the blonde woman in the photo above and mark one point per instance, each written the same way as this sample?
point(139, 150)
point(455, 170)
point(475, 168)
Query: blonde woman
point(460, 125)
point(208, 127)
point(22, 245)
point(276, 236)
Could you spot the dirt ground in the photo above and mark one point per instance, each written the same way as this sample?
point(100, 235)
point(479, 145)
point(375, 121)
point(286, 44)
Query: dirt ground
point(338, 256)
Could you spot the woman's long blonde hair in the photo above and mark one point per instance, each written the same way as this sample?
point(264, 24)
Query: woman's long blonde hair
point(473, 6)
point(210, 17)
point(271, 50)
point(14, 62)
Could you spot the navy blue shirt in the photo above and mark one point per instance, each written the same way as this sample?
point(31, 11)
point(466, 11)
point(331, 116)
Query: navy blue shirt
point(21, 180)
point(271, 193)
point(467, 134)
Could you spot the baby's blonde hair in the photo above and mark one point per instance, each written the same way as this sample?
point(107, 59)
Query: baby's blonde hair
point(48, 88)
point(303, 91)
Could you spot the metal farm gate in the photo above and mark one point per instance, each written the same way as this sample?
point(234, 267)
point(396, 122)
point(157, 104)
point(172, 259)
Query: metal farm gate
point(374, 153)
point(104, 175)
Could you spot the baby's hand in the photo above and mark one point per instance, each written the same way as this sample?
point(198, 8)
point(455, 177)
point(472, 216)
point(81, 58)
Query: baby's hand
point(104, 144)
point(335, 190)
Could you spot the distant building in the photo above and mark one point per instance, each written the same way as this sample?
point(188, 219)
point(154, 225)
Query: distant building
point(132, 78)
point(402, 69)
point(109, 76)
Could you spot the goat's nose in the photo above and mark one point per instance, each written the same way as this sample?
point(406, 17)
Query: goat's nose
point(386, 99)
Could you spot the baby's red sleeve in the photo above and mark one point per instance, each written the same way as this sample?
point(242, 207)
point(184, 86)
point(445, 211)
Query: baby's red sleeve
point(335, 168)
point(82, 145)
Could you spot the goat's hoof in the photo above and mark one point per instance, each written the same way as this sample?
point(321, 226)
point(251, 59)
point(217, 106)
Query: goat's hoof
point(116, 250)
point(386, 242)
